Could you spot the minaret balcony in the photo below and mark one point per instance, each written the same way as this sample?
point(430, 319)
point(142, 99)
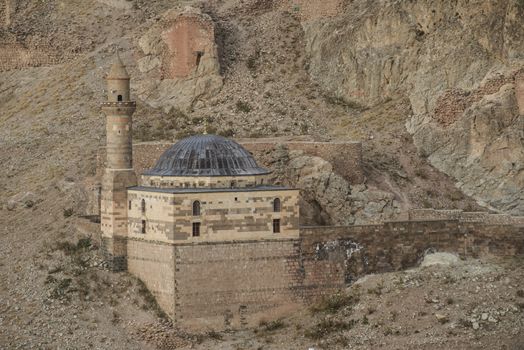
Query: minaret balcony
point(121, 107)
point(119, 104)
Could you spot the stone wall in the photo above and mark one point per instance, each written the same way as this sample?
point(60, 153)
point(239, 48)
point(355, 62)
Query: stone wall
point(519, 90)
point(453, 102)
point(15, 56)
point(345, 157)
point(313, 9)
point(463, 217)
point(154, 264)
point(204, 181)
point(224, 215)
point(235, 284)
point(358, 250)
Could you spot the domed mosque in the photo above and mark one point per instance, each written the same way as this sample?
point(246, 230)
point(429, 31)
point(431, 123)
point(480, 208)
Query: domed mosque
point(208, 187)
point(205, 191)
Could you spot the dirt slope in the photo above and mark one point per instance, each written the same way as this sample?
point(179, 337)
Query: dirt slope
point(55, 292)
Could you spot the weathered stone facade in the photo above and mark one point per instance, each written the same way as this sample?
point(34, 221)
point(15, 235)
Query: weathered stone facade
point(16, 56)
point(118, 174)
point(519, 90)
point(204, 181)
point(190, 37)
point(237, 283)
point(224, 214)
point(219, 249)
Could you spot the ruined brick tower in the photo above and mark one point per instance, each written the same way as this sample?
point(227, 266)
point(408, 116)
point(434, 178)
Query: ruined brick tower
point(119, 173)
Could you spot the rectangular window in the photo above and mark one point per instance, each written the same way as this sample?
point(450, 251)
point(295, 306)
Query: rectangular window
point(196, 229)
point(129, 205)
point(143, 226)
point(276, 226)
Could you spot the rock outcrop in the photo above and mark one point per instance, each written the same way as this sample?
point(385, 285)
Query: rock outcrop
point(438, 55)
point(483, 149)
point(326, 197)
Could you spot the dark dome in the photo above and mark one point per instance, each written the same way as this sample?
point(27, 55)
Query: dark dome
point(206, 155)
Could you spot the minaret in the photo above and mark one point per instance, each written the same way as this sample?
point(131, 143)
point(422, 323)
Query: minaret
point(119, 173)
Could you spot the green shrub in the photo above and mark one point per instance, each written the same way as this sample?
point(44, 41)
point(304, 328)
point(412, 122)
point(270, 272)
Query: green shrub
point(243, 107)
point(326, 327)
point(150, 302)
point(335, 302)
point(273, 325)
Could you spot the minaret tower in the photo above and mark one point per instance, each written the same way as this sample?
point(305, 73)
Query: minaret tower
point(119, 173)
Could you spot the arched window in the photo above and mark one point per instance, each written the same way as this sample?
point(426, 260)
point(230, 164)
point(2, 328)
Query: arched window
point(196, 208)
point(143, 205)
point(119, 98)
point(276, 205)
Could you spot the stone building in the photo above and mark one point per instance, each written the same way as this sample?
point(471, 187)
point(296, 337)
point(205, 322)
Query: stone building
point(204, 189)
point(220, 247)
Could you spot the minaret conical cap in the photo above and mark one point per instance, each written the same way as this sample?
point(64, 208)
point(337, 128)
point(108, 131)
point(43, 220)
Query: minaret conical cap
point(118, 70)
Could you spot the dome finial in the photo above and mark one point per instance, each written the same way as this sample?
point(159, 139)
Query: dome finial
point(206, 124)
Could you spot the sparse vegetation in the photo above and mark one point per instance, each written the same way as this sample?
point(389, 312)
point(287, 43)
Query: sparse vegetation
point(243, 107)
point(272, 325)
point(149, 300)
point(334, 303)
point(70, 248)
point(328, 326)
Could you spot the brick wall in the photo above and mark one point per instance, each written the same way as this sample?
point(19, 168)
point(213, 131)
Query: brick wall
point(189, 40)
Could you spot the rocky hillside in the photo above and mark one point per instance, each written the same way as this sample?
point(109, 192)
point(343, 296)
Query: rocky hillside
point(448, 58)
point(428, 88)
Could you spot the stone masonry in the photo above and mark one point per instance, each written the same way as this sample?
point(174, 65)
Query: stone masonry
point(519, 90)
point(218, 285)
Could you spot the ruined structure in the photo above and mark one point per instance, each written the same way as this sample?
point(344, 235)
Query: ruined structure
point(189, 39)
point(5, 13)
point(179, 57)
